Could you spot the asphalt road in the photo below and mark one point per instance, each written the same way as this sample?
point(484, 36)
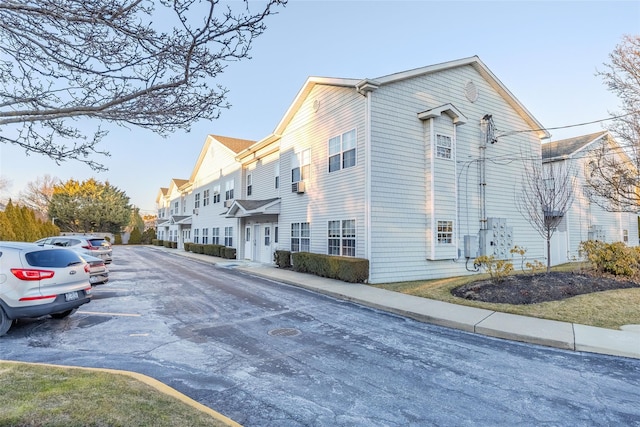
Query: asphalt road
point(268, 354)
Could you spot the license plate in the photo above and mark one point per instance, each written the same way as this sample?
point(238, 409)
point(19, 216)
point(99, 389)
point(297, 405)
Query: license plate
point(70, 296)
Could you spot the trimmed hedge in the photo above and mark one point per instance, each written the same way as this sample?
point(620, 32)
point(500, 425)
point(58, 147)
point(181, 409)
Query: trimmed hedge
point(282, 259)
point(347, 269)
point(157, 242)
point(212, 250)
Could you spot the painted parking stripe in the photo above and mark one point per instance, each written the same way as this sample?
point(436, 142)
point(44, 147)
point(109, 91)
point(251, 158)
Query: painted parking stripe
point(99, 313)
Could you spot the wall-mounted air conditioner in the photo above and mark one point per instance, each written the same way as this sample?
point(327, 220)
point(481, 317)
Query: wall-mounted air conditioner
point(297, 187)
point(228, 203)
point(195, 211)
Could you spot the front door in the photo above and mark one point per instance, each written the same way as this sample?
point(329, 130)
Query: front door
point(265, 252)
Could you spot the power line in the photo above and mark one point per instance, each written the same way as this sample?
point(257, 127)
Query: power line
point(563, 127)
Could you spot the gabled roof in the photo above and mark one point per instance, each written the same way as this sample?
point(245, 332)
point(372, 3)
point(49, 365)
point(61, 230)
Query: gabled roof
point(236, 145)
point(161, 193)
point(243, 208)
point(566, 148)
point(364, 85)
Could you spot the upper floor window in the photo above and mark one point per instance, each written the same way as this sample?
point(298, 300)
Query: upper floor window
point(249, 184)
point(277, 176)
point(342, 151)
point(301, 166)
point(196, 202)
point(205, 197)
point(216, 194)
point(443, 146)
point(176, 207)
point(228, 195)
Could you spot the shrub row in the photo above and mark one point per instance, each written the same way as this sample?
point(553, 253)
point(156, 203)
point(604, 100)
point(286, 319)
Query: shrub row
point(352, 270)
point(213, 250)
point(282, 259)
point(613, 258)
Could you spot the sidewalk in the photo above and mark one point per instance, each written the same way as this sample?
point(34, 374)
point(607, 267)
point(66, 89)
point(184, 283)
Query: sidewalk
point(570, 336)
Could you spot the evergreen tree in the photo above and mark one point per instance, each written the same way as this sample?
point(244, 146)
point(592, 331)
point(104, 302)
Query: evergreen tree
point(89, 206)
point(6, 228)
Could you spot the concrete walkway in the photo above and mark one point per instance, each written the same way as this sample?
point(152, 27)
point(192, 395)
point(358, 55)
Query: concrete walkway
point(570, 336)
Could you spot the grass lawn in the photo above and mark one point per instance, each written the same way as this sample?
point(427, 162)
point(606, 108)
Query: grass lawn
point(35, 395)
point(609, 309)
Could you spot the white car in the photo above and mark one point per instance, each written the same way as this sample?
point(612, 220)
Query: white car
point(90, 245)
point(98, 271)
point(36, 281)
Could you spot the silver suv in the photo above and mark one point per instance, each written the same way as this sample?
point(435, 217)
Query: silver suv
point(37, 281)
point(90, 245)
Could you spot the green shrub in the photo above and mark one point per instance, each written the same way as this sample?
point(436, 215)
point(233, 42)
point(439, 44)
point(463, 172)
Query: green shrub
point(159, 242)
point(347, 269)
point(148, 236)
point(229, 253)
point(166, 243)
point(135, 238)
point(187, 246)
point(117, 239)
point(197, 248)
point(174, 245)
point(282, 259)
point(613, 258)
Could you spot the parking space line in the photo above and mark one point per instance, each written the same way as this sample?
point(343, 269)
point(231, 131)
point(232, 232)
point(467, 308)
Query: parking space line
point(99, 313)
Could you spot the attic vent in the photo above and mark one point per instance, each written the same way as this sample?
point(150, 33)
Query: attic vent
point(471, 91)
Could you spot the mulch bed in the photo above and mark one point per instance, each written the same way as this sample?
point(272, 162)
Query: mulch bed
point(535, 288)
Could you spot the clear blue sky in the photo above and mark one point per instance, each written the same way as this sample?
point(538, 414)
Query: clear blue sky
point(545, 52)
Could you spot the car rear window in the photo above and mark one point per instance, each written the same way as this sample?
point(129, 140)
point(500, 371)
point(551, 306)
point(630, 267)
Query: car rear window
point(53, 258)
point(98, 242)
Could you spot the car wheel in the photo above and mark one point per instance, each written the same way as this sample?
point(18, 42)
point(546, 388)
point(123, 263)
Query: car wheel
point(5, 322)
point(62, 314)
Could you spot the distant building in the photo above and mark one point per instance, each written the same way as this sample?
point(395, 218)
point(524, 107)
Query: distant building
point(586, 220)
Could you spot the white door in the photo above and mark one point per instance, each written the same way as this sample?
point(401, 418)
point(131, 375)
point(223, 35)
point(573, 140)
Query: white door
point(254, 241)
point(265, 252)
point(559, 244)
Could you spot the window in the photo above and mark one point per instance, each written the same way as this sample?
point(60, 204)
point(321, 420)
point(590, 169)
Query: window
point(277, 176)
point(301, 164)
point(443, 146)
point(176, 208)
point(625, 236)
point(215, 236)
point(228, 236)
point(342, 237)
point(275, 234)
point(342, 151)
point(196, 203)
point(216, 194)
point(196, 235)
point(247, 234)
point(267, 236)
point(445, 232)
point(249, 185)
point(205, 236)
point(228, 195)
point(205, 197)
point(300, 233)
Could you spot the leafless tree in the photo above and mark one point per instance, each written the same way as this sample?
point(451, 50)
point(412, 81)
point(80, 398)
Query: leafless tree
point(546, 195)
point(613, 178)
point(148, 63)
point(37, 195)
point(5, 184)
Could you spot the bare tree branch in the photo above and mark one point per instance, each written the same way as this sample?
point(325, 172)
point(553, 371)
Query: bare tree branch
point(613, 179)
point(130, 62)
point(546, 196)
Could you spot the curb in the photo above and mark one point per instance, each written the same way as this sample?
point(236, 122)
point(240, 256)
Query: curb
point(159, 386)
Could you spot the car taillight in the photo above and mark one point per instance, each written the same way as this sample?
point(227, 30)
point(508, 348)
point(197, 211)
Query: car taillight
point(30, 274)
point(87, 268)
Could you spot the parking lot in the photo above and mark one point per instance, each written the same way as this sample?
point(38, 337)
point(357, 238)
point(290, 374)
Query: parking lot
point(264, 353)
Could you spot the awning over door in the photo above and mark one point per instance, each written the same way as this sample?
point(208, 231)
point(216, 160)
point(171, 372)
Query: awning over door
point(247, 208)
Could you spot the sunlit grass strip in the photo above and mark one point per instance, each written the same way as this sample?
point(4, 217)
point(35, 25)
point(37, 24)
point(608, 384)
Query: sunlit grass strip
point(37, 395)
point(608, 309)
